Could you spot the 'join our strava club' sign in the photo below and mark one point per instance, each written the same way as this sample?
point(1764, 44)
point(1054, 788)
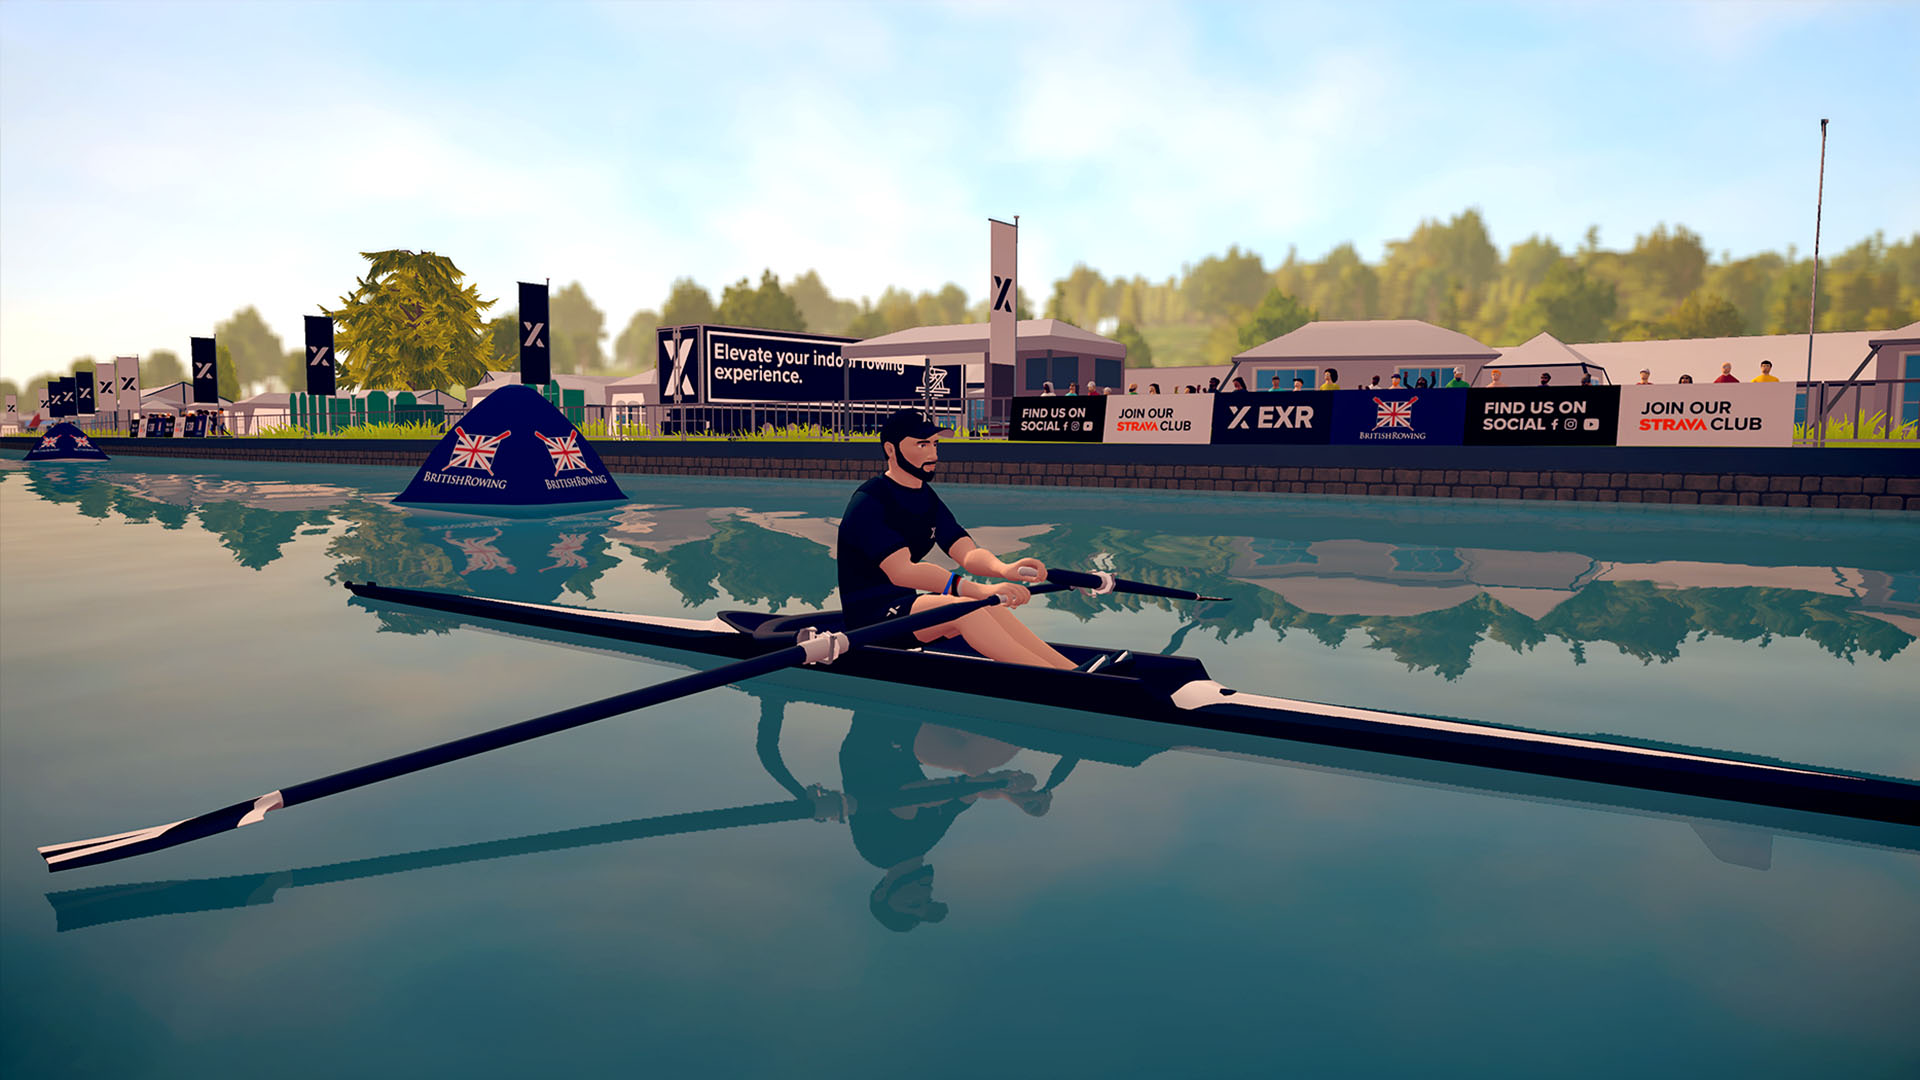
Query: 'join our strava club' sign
point(723, 366)
point(1710, 414)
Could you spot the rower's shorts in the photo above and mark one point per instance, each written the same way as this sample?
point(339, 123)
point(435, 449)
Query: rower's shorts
point(879, 609)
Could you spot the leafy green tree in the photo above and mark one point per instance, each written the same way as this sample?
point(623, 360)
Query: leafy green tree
point(410, 324)
point(1570, 305)
point(1439, 273)
point(258, 353)
point(1745, 283)
point(1704, 315)
point(767, 307)
point(633, 350)
point(228, 380)
point(161, 367)
point(1220, 285)
point(9, 387)
point(1277, 314)
point(1139, 353)
point(1787, 299)
point(687, 303)
point(819, 309)
point(578, 330)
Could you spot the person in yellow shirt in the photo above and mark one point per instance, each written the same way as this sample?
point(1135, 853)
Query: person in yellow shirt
point(1766, 372)
point(1331, 381)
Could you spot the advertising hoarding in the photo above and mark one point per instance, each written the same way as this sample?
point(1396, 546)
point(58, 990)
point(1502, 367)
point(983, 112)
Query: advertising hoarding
point(1398, 417)
point(1060, 419)
point(1707, 414)
point(1158, 418)
point(1543, 416)
point(1285, 416)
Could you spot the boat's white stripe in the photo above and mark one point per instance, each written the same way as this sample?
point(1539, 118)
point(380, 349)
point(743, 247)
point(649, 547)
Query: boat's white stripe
point(1204, 692)
point(714, 625)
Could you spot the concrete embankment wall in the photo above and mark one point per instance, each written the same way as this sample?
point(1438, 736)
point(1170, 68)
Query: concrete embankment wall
point(1863, 479)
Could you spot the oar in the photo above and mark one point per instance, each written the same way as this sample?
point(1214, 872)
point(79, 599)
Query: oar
point(819, 648)
point(1103, 582)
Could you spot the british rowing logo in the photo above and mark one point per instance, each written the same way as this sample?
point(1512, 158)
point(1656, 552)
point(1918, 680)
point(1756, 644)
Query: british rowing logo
point(1394, 414)
point(51, 442)
point(80, 443)
point(475, 451)
point(565, 452)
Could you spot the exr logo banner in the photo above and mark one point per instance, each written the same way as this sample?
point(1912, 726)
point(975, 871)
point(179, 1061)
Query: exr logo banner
point(1272, 416)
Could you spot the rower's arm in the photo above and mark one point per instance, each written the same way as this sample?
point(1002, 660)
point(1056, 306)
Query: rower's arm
point(980, 562)
point(926, 577)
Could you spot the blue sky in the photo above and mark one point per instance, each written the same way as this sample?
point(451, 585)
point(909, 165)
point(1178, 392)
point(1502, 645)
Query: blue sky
point(163, 165)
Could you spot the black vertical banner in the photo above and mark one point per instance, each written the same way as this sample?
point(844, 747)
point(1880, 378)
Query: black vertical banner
point(62, 390)
point(320, 355)
point(206, 377)
point(83, 393)
point(536, 359)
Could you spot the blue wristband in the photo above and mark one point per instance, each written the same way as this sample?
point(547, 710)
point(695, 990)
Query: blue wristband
point(953, 585)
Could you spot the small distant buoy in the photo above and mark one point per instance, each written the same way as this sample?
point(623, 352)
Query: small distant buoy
point(66, 442)
point(514, 454)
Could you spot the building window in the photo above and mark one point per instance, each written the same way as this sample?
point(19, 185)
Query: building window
point(1411, 376)
point(1036, 373)
point(1066, 372)
point(1282, 378)
point(1910, 392)
point(1107, 373)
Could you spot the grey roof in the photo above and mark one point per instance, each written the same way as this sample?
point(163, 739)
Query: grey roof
point(1034, 335)
point(1906, 335)
point(1542, 349)
point(1835, 356)
point(1370, 339)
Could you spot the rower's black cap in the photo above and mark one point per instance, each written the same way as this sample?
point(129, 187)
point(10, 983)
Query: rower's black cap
point(909, 424)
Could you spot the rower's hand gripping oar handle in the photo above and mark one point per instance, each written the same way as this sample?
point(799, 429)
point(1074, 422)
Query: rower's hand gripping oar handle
point(1100, 583)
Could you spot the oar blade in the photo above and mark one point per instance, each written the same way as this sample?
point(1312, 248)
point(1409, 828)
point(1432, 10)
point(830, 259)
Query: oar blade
point(103, 849)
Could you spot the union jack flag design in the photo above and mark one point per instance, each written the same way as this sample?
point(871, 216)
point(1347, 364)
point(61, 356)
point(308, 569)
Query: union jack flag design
point(1392, 414)
point(51, 442)
point(565, 452)
point(80, 443)
point(481, 554)
point(566, 552)
point(475, 451)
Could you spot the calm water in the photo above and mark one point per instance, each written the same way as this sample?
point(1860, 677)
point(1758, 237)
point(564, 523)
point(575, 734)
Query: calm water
point(648, 894)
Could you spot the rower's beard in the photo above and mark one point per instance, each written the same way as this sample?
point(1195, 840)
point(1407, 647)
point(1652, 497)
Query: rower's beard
point(920, 473)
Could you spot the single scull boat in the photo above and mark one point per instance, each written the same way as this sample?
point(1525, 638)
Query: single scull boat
point(1177, 690)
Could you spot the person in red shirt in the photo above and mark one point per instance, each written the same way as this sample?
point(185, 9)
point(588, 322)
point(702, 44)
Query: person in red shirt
point(1726, 374)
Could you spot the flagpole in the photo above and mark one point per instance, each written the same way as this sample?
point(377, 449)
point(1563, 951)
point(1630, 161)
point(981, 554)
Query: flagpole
point(1814, 296)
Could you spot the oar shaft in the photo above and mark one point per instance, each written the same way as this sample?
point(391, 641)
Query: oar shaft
point(1079, 580)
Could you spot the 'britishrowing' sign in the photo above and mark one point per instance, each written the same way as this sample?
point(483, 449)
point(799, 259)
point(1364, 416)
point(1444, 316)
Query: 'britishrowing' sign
point(1390, 417)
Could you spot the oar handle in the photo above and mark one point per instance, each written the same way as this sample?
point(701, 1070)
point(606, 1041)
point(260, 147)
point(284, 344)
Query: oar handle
point(1104, 583)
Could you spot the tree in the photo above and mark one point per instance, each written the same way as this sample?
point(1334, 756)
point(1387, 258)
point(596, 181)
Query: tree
point(410, 324)
point(1570, 305)
point(161, 367)
point(1219, 285)
point(819, 309)
point(578, 330)
point(257, 351)
point(1705, 314)
point(9, 387)
point(228, 378)
point(1277, 314)
point(1139, 353)
point(766, 307)
point(687, 303)
point(633, 350)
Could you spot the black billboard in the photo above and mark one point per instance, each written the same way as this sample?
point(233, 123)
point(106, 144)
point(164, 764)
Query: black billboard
point(536, 351)
point(1543, 416)
point(1273, 416)
point(320, 374)
point(725, 366)
point(60, 398)
point(83, 394)
point(1060, 419)
point(206, 377)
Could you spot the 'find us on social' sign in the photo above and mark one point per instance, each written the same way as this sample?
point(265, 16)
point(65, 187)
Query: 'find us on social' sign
point(1543, 416)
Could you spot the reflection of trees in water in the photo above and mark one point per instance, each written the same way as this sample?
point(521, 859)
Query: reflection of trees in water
point(755, 565)
point(381, 544)
point(1641, 619)
point(254, 535)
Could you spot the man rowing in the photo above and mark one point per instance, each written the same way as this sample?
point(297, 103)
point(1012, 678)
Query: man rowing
point(895, 519)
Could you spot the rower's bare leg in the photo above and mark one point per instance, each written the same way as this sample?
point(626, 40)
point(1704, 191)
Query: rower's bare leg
point(1021, 633)
point(986, 635)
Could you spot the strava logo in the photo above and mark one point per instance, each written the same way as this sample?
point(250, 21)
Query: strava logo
point(1269, 417)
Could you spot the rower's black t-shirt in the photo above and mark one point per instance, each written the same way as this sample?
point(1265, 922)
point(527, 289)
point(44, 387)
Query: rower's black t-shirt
point(881, 518)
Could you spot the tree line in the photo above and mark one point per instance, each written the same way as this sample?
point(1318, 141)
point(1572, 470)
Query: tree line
point(414, 322)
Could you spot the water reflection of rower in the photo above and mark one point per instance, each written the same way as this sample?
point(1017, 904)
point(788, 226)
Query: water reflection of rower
point(900, 813)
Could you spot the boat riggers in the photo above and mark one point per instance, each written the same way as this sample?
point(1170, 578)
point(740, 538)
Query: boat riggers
point(816, 648)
